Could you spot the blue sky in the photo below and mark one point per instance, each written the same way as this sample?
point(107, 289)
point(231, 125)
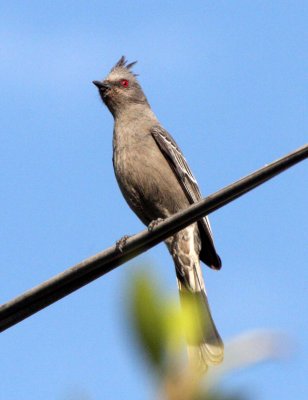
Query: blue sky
point(229, 81)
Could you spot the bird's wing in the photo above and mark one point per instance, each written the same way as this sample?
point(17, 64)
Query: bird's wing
point(189, 184)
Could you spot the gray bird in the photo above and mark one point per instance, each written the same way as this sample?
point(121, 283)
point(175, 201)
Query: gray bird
point(157, 182)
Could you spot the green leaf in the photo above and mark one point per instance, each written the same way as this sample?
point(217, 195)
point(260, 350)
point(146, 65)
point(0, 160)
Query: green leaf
point(147, 309)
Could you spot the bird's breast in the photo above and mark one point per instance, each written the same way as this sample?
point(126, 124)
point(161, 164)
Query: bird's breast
point(146, 179)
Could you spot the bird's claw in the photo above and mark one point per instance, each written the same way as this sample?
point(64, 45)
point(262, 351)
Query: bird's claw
point(152, 225)
point(120, 244)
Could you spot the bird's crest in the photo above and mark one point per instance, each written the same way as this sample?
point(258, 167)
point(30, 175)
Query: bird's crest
point(122, 63)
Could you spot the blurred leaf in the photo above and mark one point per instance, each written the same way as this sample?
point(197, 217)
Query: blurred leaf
point(174, 327)
point(193, 318)
point(222, 396)
point(147, 308)
point(161, 326)
point(249, 349)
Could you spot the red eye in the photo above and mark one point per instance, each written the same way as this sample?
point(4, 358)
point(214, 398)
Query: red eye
point(124, 83)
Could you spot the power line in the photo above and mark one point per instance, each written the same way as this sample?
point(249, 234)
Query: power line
point(92, 268)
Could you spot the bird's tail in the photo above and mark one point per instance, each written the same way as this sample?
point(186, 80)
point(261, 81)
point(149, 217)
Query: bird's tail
point(205, 346)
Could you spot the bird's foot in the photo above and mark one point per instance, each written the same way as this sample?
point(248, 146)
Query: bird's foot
point(121, 243)
point(152, 225)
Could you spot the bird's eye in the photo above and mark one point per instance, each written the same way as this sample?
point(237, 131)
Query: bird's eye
point(124, 83)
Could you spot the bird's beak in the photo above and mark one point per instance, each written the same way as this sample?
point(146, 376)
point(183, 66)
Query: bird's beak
point(102, 86)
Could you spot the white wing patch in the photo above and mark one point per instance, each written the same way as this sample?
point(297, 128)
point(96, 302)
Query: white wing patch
point(179, 164)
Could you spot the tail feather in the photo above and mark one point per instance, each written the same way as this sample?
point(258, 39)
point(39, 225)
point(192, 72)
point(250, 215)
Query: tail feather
point(205, 346)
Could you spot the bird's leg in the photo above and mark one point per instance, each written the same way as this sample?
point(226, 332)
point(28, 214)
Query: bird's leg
point(120, 244)
point(153, 224)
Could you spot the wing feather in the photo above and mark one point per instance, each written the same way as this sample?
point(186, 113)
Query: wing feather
point(190, 186)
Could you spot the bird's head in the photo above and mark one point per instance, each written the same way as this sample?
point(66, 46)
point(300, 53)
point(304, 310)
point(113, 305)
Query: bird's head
point(120, 88)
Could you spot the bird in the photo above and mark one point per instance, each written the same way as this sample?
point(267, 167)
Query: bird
point(156, 182)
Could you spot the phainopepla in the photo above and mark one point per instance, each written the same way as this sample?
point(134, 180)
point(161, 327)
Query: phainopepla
point(156, 182)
